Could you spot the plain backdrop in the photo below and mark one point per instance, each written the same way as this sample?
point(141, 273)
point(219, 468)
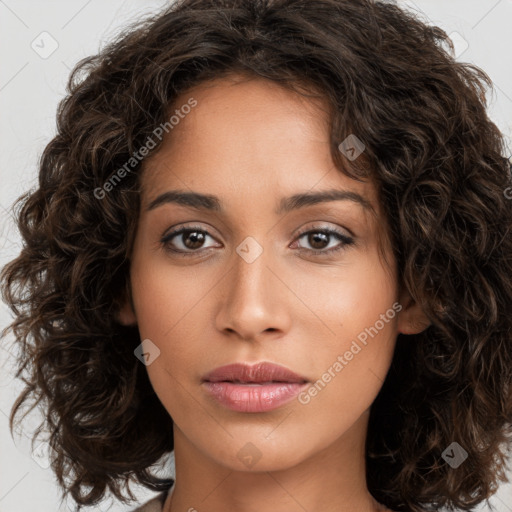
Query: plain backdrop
point(40, 42)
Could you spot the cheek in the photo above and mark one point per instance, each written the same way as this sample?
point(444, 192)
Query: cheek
point(347, 299)
point(349, 373)
point(164, 297)
point(352, 360)
point(162, 303)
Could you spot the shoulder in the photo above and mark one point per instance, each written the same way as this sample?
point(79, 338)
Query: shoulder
point(154, 505)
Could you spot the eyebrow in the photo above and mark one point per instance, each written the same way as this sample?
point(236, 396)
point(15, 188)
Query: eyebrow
point(199, 201)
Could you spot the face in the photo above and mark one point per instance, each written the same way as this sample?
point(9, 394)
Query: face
point(305, 287)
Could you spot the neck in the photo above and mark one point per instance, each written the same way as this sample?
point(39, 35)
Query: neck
point(331, 480)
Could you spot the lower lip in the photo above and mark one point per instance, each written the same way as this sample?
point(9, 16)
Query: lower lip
point(254, 397)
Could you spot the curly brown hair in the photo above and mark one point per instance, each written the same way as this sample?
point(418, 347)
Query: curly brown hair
point(437, 161)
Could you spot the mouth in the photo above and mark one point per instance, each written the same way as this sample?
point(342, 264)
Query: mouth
point(257, 388)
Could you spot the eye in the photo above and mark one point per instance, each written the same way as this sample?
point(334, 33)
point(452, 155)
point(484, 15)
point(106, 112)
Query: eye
point(192, 238)
point(321, 237)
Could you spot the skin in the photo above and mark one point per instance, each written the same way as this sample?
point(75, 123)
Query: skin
point(250, 143)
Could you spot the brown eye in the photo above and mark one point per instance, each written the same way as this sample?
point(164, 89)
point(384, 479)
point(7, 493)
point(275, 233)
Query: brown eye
point(319, 239)
point(183, 240)
point(193, 239)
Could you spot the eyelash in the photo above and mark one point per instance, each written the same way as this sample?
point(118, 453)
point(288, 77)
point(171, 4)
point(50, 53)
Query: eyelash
point(165, 241)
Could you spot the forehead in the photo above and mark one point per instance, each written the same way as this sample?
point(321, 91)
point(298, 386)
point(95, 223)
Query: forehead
point(249, 137)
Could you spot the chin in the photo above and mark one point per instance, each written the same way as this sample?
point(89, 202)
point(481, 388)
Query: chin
point(257, 455)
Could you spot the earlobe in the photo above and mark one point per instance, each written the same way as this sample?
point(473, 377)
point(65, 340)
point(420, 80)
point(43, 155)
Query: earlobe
point(126, 315)
point(411, 318)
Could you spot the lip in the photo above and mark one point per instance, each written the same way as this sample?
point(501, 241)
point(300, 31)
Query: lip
point(253, 388)
point(253, 374)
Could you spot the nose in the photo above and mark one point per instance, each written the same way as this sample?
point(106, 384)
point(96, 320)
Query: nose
point(253, 299)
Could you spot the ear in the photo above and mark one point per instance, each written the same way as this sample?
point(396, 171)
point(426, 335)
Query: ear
point(411, 318)
point(126, 313)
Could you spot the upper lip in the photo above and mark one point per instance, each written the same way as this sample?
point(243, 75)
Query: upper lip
point(257, 373)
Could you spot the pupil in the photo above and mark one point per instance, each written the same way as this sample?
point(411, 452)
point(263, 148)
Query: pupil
point(314, 238)
point(196, 237)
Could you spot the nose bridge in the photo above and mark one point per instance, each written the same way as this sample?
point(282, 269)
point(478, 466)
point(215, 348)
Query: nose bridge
point(250, 271)
point(251, 302)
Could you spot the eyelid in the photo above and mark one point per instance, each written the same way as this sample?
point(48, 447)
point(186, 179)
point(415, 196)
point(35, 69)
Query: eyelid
point(324, 227)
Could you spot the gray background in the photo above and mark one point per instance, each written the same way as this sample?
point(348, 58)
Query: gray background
point(32, 81)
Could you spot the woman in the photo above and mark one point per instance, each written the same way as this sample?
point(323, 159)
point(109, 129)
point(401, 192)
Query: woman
point(274, 237)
